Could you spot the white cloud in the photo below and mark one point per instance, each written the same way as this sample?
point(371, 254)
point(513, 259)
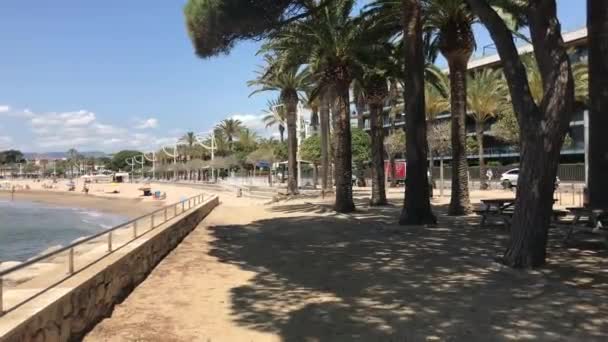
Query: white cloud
point(58, 131)
point(253, 122)
point(147, 123)
point(5, 140)
point(8, 111)
point(80, 129)
point(80, 118)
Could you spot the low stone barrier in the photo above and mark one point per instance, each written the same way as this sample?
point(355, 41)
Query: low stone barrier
point(86, 298)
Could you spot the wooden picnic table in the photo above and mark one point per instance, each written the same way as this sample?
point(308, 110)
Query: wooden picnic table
point(500, 208)
point(146, 190)
point(594, 219)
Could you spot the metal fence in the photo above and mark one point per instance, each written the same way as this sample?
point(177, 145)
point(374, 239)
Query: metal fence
point(75, 257)
point(565, 172)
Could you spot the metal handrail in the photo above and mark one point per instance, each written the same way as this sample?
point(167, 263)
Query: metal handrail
point(198, 199)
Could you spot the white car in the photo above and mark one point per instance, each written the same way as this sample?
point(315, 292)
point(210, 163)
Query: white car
point(509, 179)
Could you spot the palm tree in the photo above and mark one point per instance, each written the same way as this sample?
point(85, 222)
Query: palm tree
point(372, 73)
point(73, 157)
point(222, 143)
point(436, 101)
point(230, 128)
point(248, 139)
point(275, 115)
point(451, 21)
point(189, 138)
point(394, 144)
point(374, 91)
point(330, 42)
point(288, 80)
point(360, 104)
point(312, 103)
point(485, 95)
point(580, 72)
point(404, 18)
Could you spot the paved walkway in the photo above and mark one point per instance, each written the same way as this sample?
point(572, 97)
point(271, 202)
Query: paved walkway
point(296, 272)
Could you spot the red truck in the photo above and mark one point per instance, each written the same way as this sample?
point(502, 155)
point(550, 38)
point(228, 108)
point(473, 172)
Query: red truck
point(399, 170)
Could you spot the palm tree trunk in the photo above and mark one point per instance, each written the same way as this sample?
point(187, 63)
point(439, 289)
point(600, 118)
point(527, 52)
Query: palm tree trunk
point(314, 120)
point(597, 22)
point(460, 203)
point(417, 205)
point(377, 135)
point(291, 102)
point(343, 155)
point(482, 165)
point(393, 169)
point(324, 118)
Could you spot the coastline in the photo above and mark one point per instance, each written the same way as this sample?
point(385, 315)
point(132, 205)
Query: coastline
point(130, 208)
point(128, 203)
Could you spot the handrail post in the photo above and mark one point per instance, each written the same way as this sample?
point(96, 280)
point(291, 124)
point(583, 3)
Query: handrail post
point(135, 229)
point(110, 241)
point(152, 221)
point(165, 214)
point(71, 261)
point(183, 206)
point(1, 304)
point(175, 210)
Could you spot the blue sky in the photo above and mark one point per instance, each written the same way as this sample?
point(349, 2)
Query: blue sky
point(115, 74)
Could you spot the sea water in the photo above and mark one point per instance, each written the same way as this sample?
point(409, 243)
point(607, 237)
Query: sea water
point(28, 228)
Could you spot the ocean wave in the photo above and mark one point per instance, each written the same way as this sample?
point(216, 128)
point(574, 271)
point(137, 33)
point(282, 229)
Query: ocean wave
point(91, 213)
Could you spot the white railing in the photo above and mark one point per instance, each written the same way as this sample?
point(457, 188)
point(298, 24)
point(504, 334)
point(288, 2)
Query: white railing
point(110, 240)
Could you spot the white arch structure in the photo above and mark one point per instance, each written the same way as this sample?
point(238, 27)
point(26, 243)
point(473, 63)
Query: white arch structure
point(153, 160)
point(199, 138)
point(173, 155)
point(131, 163)
point(140, 162)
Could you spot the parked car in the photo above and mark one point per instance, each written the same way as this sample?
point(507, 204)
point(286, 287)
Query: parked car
point(509, 179)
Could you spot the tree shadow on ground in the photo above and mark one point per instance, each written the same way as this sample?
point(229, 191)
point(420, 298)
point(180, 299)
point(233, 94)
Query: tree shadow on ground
point(327, 278)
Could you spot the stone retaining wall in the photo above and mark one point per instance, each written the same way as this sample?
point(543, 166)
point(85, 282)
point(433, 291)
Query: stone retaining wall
point(70, 317)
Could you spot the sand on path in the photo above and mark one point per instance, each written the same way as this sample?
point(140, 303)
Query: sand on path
point(295, 271)
point(195, 288)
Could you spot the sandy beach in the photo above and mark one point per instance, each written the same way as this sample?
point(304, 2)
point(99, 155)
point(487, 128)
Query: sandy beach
point(129, 202)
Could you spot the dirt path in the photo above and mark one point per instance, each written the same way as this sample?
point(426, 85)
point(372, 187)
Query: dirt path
point(296, 272)
point(186, 298)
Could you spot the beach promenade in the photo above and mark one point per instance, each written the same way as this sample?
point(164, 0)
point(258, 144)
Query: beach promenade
point(296, 271)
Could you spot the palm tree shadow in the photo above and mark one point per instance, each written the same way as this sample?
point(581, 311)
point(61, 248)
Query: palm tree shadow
point(320, 278)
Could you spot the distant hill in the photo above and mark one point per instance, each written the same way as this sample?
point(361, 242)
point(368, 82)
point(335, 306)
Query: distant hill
point(61, 155)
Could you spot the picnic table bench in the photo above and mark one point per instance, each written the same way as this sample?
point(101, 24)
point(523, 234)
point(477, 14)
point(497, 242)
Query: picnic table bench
point(503, 209)
point(500, 208)
point(593, 216)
